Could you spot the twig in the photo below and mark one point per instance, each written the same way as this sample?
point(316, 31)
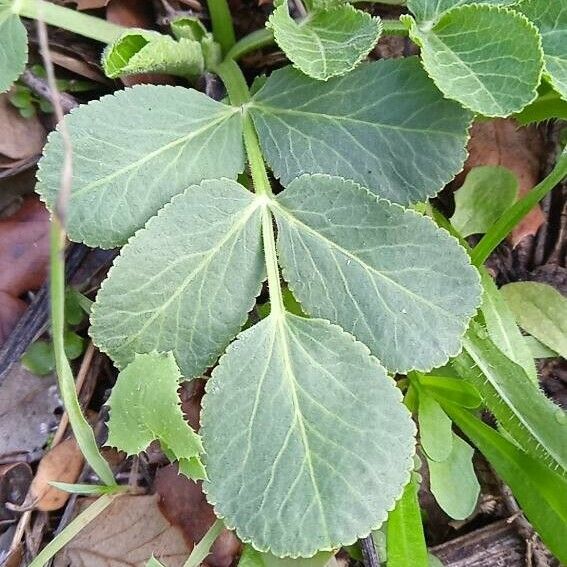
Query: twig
point(41, 87)
point(369, 554)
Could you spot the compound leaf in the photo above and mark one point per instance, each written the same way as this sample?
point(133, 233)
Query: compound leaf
point(384, 274)
point(133, 151)
point(144, 406)
point(185, 282)
point(13, 47)
point(350, 126)
point(430, 10)
point(486, 57)
point(551, 20)
point(327, 42)
point(308, 443)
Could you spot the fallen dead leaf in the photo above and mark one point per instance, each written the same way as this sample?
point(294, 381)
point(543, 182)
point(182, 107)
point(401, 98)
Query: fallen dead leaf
point(126, 534)
point(15, 480)
point(520, 149)
point(183, 503)
point(62, 464)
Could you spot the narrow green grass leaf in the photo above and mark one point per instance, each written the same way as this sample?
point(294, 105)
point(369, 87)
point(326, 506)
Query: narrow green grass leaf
point(454, 390)
point(405, 540)
point(185, 282)
point(541, 493)
point(386, 275)
point(541, 311)
point(145, 406)
point(486, 193)
point(328, 42)
point(133, 151)
point(308, 444)
point(453, 481)
point(550, 17)
point(349, 127)
point(435, 428)
point(13, 46)
point(486, 57)
point(533, 420)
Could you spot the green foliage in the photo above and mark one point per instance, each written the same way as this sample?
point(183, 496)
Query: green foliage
point(541, 311)
point(13, 46)
point(486, 193)
point(296, 421)
point(144, 406)
point(430, 10)
point(435, 429)
point(486, 57)
point(329, 41)
point(252, 558)
point(547, 106)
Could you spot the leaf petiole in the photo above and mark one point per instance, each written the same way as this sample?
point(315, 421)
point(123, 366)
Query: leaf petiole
point(223, 30)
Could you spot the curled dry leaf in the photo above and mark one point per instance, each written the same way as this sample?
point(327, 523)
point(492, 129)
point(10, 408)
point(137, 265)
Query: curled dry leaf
point(15, 480)
point(126, 534)
point(62, 464)
point(183, 503)
point(520, 149)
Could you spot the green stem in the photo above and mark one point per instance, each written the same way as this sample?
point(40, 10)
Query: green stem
point(394, 27)
point(510, 219)
point(72, 20)
point(80, 522)
point(203, 548)
point(223, 30)
point(239, 94)
point(81, 428)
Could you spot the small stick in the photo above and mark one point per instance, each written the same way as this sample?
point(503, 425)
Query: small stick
point(369, 554)
point(41, 87)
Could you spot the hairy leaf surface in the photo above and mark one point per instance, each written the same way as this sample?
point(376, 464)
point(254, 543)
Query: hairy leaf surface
point(185, 282)
point(388, 276)
point(429, 10)
point(486, 57)
point(327, 42)
point(135, 150)
point(550, 17)
point(144, 406)
point(384, 126)
point(13, 47)
point(308, 444)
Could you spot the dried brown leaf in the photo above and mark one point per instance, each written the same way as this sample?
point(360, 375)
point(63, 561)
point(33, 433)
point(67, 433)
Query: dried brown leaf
point(15, 480)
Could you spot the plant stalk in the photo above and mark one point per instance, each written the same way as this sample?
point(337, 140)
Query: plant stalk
point(71, 20)
point(223, 30)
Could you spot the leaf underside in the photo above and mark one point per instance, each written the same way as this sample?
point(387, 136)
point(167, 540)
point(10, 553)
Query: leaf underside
point(185, 282)
point(486, 57)
point(133, 151)
point(326, 43)
point(13, 47)
point(388, 276)
point(385, 126)
point(308, 444)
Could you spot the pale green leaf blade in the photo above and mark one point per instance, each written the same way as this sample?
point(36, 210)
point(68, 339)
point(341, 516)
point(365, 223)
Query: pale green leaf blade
point(153, 562)
point(185, 282)
point(488, 58)
point(13, 47)
point(308, 443)
point(145, 406)
point(143, 51)
point(386, 275)
point(405, 540)
point(328, 42)
point(429, 10)
point(522, 409)
point(550, 17)
point(252, 558)
point(453, 481)
point(486, 193)
point(454, 390)
point(538, 349)
point(541, 311)
point(348, 126)
point(435, 428)
point(133, 151)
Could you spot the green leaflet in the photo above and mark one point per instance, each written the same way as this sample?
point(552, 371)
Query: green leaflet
point(185, 282)
point(486, 57)
point(144, 406)
point(142, 51)
point(405, 540)
point(453, 481)
point(308, 444)
point(329, 41)
point(384, 274)
point(532, 419)
point(454, 390)
point(435, 428)
point(430, 10)
point(541, 493)
point(486, 193)
point(252, 558)
point(13, 46)
point(348, 126)
point(135, 150)
point(550, 17)
point(541, 311)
